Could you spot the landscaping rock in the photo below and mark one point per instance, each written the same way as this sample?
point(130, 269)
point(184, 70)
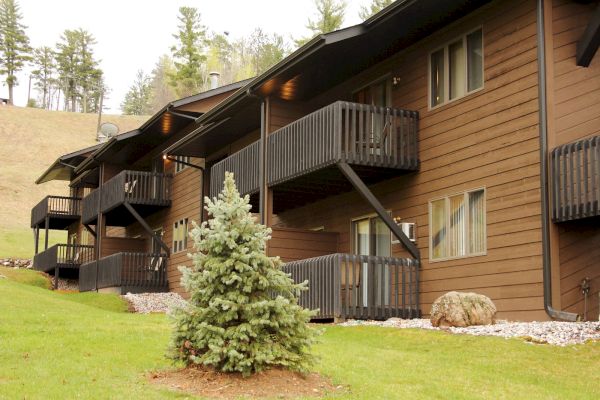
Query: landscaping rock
point(145, 303)
point(459, 309)
point(16, 263)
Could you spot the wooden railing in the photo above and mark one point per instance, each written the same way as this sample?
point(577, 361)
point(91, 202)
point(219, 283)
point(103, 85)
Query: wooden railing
point(131, 272)
point(576, 180)
point(89, 206)
point(63, 256)
point(244, 165)
point(358, 134)
point(360, 287)
point(135, 187)
point(55, 206)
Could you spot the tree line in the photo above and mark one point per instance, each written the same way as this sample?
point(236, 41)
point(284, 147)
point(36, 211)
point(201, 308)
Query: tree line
point(67, 75)
point(197, 52)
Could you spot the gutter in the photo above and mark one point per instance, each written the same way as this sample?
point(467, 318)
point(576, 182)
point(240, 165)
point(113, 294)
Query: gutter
point(543, 113)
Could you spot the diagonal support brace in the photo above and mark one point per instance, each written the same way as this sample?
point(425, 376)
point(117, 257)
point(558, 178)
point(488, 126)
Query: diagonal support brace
point(146, 227)
point(372, 200)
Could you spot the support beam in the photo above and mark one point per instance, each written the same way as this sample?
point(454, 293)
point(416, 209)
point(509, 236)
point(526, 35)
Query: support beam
point(364, 191)
point(146, 227)
point(590, 40)
point(90, 230)
point(36, 235)
point(56, 278)
point(46, 226)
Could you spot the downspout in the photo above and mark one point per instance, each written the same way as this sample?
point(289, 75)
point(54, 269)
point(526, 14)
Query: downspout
point(543, 113)
point(202, 169)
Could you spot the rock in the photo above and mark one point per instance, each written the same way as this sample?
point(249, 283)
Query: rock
point(459, 309)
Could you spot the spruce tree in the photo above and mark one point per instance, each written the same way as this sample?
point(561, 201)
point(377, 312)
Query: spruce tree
point(14, 44)
point(243, 314)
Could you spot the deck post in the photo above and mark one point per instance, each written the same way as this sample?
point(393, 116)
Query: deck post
point(46, 226)
point(36, 238)
point(56, 277)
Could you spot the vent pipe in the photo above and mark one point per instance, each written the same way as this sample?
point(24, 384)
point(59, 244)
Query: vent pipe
point(214, 79)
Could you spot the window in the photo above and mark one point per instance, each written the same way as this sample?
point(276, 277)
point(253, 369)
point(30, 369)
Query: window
point(179, 163)
point(456, 69)
point(180, 233)
point(457, 225)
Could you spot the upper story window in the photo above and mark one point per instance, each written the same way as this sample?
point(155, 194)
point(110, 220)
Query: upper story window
point(457, 226)
point(179, 163)
point(180, 233)
point(456, 69)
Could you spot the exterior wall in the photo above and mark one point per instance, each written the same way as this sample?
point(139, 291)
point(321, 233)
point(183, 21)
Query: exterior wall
point(113, 245)
point(575, 114)
point(186, 196)
point(486, 139)
point(298, 244)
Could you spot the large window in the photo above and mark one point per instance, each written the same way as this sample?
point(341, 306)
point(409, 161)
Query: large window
point(457, 225)
point(456, 69)
point(180, 234)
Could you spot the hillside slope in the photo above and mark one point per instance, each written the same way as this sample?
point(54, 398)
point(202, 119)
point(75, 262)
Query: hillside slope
point(30, 140)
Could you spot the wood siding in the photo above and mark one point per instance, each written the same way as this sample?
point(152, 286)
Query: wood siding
point(575, 111)
point(297, 244)
point(486, 139)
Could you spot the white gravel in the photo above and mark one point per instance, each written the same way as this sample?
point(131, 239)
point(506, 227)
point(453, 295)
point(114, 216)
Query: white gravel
point(145, 303)
point(66, 284)
point(548, 332)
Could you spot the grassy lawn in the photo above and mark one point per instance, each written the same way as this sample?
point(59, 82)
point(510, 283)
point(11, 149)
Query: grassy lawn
point(57, 345)
point(18, 242)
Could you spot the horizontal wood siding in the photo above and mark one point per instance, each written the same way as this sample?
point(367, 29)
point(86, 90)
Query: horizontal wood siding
point(486, 139)
point(576, 116)
point(113, 245)
point(297, 244)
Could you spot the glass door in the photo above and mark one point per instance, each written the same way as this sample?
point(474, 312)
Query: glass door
point(376, 94)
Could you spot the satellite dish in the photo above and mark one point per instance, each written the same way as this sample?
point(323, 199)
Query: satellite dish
point(107, 130)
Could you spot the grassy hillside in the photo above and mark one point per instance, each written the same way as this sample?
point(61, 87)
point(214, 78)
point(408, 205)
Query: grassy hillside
point(30, 140)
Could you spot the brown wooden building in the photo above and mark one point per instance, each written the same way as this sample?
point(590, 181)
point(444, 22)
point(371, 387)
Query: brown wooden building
point(437, 146)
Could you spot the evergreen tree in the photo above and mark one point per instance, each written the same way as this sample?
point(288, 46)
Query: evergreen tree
point(330, 17)
point(161, 91)
point(138, 98)
point(14, 44)
point(45, 67)
point(188, 53)
point(243, 313)
point(220, 57)
point(375, 6)
point(265, 50)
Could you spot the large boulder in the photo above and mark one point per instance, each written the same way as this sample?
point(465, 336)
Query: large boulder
point(462, 309)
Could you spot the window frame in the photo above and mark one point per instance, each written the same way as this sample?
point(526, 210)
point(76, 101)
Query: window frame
point(445, 47)
point(179, 167)
point(386, 79)
point(447, 223)
point(369, 217)
point(175, 248)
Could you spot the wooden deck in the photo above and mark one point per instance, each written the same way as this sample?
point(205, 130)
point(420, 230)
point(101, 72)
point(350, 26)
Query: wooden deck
point(126, 272)
point(359, 287)
point(146, 192)
point(70, 256)
point(59, 211)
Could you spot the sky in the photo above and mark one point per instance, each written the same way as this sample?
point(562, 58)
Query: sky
point(133, 34)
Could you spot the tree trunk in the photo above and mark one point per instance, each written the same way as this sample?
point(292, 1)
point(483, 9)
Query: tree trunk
point(10, 94)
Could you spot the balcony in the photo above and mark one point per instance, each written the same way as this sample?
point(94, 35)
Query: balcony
point(378, 142)
point(60, 211)
point(70, 256)
point(345, 286)
point(576, 180)
point(126, 273)
point(146, 192)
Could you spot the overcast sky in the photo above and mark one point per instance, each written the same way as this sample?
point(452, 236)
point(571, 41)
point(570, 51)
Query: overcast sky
point(132, 34)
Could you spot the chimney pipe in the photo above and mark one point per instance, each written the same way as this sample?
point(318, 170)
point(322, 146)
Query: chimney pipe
point(214, 79)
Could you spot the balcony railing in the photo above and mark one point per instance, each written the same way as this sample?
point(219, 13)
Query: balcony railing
point(63, 256)
point(55, 207)
point(130, 272)
point(360, 287)
point(135, 187)
point(244, 165)
point(576, 180)
point(358, 134)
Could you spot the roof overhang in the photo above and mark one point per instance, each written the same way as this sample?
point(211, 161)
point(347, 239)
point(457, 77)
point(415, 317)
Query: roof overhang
point(63, 168)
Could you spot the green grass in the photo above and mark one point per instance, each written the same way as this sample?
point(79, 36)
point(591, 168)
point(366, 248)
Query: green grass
point(27, 277)
point(18, 243)
point(55, 345)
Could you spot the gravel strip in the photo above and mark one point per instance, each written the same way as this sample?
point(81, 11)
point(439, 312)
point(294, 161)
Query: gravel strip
point(66, 284)
point(549, 332)
point(145, 303)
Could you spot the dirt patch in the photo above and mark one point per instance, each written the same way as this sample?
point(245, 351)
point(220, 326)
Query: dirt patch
point(274, 384)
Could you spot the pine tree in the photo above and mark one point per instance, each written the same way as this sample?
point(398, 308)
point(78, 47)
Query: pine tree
point(375, 6)
point(14, 44)
point(188, 54)
point(161, 91)
point(265, 50)
point(330, 17)
point(138, 99)
point(243, 314)
point(45, 67)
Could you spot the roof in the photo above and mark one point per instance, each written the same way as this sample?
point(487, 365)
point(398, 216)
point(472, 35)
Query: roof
point(322, 63)
point(62, 168)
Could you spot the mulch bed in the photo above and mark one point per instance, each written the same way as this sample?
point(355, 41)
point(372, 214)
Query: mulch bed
point(274, 383)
